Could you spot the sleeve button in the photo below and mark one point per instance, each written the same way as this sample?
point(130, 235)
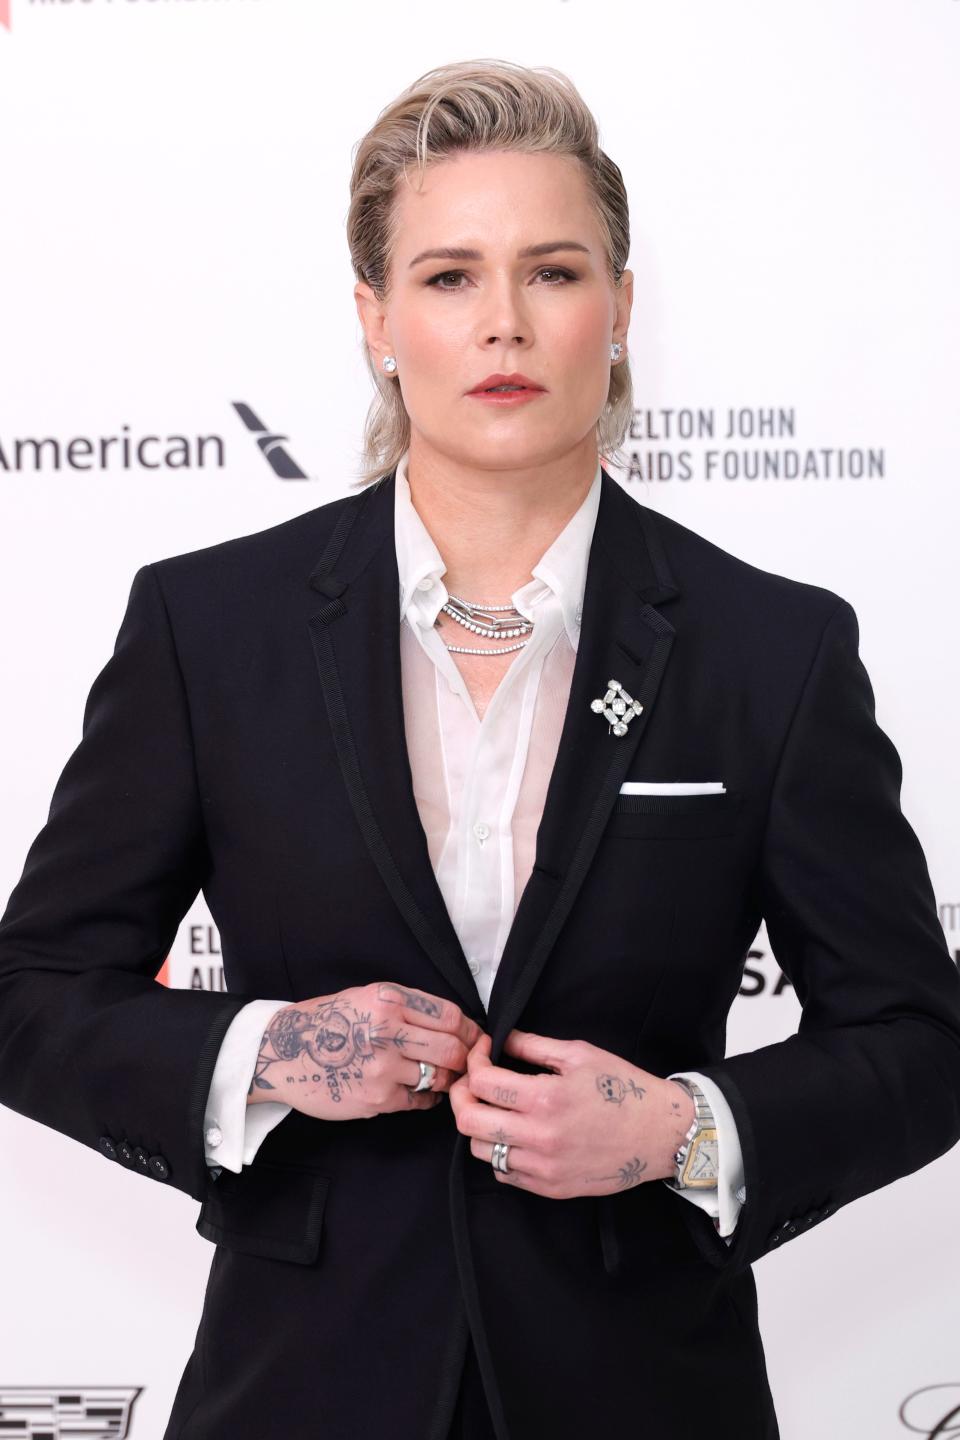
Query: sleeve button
point(107, 1147)
point(141, 1160)
point(125, 1153)
point(159, 1168)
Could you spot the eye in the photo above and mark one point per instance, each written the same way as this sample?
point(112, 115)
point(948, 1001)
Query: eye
point(555, 270)
point(565, 277)
point(444, 275)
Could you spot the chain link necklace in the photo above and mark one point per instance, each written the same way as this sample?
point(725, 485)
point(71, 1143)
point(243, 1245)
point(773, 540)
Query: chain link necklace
point(494, 622)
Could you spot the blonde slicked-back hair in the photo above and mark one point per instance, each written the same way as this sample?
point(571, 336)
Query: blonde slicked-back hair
point(475, 105)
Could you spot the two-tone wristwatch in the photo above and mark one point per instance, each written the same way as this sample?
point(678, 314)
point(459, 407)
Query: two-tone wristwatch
point(697, 1159)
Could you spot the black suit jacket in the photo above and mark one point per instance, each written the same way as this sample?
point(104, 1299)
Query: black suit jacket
point(246, 738)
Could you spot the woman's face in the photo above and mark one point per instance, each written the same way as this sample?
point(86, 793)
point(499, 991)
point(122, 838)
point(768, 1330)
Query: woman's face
point(453, 320)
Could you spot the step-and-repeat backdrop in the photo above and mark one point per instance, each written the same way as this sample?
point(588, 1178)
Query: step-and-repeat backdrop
point(176, 309)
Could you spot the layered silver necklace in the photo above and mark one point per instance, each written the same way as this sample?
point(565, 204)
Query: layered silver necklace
point(493, 622)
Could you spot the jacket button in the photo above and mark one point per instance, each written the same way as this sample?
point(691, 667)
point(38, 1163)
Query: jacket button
point(141, 1160)
point(159, 1168)
point(125, 1153)
point(107, 1147)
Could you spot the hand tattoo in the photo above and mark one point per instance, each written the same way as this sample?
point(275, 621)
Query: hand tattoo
point(333, 1041)
point(627, 1175)
point(611, 1087)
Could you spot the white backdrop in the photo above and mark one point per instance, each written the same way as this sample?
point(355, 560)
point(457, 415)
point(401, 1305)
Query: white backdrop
point(173, 189)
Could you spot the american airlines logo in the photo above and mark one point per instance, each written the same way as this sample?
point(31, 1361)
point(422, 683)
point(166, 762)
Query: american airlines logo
point(98, 1412)
point(270, 444)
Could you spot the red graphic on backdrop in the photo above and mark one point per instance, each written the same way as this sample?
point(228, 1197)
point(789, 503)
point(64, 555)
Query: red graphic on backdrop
point(5, 13)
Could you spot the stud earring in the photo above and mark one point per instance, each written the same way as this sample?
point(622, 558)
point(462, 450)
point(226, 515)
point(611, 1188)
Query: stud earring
point(615, 349)
point(390, 364)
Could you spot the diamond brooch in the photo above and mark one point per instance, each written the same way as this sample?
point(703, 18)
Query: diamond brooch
point(618, 707)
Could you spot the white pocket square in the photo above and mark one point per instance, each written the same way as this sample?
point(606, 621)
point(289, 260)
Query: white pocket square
point(673, 787)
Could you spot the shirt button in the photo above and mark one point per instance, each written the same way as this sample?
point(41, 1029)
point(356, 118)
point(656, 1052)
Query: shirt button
point(474, 967)
point(425, 584)
point(481, 830)
point(213, 1136)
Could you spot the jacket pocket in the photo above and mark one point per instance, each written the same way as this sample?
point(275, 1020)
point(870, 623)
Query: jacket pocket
point(270, 1209)
point(675, 815)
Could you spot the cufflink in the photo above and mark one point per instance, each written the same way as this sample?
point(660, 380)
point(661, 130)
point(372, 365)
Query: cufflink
point(213, 1135)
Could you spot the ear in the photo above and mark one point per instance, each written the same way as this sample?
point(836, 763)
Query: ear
point(624, 303)
point(373, 318)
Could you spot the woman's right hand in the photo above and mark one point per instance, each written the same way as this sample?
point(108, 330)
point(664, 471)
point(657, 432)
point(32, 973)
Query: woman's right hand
point(353, 1055)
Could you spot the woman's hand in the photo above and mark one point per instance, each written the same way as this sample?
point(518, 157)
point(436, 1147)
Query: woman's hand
point(354, 1054)
point(594, 1126)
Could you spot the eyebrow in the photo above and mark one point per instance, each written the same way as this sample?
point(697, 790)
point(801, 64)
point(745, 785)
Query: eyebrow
point(461, 252)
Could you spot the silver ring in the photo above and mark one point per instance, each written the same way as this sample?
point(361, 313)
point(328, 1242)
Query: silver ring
point(427, 1072)
point(499, 1158)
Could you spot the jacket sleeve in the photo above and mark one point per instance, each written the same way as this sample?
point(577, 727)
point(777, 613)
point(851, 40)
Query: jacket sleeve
point(233, 1131)
point(91, 1043)
point(868, 1089)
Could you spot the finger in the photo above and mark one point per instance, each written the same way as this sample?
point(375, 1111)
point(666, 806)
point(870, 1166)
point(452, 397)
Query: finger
point(433, 1012)
point(499, 1086)
point(539, 1049)
point(423, 1100)
point(520, 1160)
point(487, 1123)
point(410, 1075)
point(459, 1093)
point(438, 1046)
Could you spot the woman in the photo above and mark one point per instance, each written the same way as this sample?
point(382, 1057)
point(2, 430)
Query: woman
point(450, 845)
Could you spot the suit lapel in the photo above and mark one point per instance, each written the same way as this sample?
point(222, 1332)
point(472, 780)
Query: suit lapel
point(354, 629)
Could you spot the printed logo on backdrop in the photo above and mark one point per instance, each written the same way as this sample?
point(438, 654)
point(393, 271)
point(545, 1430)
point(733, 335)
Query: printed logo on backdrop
point(270, 445)
point(933, 1413)
point(740, 443)
point(5, 14)
point(195, 961)
point(95, 1412)
point(109, 454)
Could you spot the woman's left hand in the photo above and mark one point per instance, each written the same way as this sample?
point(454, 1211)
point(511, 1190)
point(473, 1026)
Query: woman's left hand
point(593, 1126)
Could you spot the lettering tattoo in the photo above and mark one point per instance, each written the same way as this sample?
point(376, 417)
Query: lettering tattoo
point(611, 1087)
point(332, 1040)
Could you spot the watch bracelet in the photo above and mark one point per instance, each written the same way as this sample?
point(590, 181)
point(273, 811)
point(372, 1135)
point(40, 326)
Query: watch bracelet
point(703, 1119)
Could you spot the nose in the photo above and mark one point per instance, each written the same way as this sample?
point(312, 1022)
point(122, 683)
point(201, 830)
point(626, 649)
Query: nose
point(503, 319)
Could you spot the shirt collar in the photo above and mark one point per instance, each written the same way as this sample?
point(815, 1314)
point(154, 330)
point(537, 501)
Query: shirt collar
point(561, 570)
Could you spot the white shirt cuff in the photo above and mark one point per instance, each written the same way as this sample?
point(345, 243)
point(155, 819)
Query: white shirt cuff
point(725, 1202)
point(233, 1131)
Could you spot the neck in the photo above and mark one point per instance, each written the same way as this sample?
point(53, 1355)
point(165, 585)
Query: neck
point(492, 525)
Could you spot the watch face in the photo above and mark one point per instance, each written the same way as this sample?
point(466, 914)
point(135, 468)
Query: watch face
point(704, 1163)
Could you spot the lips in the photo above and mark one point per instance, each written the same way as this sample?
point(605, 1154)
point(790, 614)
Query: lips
point(490, 383)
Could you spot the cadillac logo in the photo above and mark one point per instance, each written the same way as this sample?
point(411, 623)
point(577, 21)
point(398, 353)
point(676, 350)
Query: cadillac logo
point(97, 1412)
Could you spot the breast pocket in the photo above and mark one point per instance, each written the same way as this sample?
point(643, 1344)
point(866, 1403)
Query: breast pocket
point(269, 1209)
point(674, 816)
